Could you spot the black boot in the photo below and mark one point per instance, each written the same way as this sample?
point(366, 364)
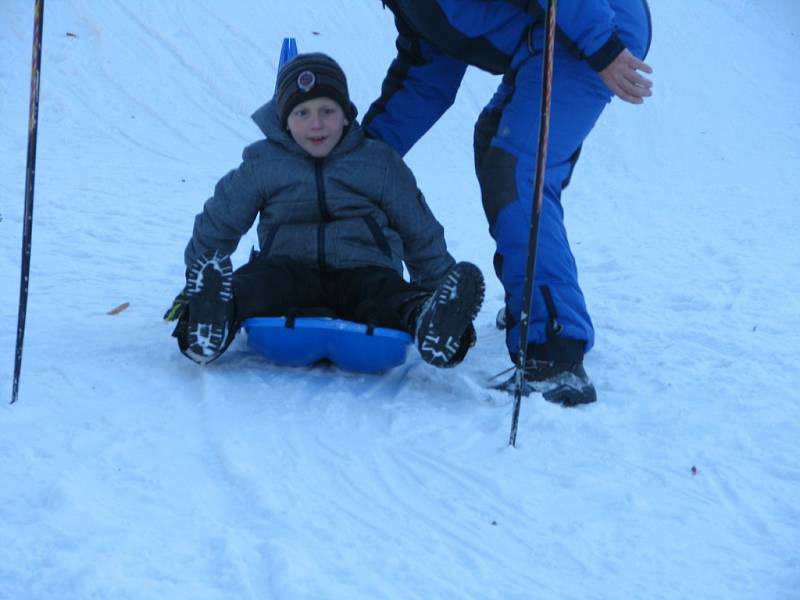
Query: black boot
point(444, 329)
point(209, 324)
point(560, 382)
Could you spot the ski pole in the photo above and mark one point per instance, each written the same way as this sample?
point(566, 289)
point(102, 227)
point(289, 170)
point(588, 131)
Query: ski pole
point(538, 191)
point(27, 224)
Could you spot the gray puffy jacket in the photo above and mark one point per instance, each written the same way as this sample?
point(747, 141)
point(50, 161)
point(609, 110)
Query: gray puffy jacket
point(358, 206)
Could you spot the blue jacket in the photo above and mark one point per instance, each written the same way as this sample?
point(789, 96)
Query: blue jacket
point(486, 33)
point(438, 39)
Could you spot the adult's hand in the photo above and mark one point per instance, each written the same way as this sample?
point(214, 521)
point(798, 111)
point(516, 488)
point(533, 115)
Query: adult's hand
point(623, 77)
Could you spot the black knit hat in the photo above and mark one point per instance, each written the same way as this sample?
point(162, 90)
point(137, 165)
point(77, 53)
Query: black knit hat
point(309, 76)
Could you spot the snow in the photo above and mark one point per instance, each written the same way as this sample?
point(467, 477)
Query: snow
point(129, 472)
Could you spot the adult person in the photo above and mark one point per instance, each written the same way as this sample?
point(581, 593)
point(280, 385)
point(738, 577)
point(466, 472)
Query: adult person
point(600, 46)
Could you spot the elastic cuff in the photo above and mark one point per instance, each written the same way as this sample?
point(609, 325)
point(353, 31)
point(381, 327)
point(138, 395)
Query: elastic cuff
point(607, 53)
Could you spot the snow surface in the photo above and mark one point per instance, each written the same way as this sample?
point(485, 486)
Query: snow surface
point(128, 472)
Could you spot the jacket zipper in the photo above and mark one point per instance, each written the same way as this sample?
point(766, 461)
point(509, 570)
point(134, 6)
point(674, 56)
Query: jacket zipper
point(323, 211)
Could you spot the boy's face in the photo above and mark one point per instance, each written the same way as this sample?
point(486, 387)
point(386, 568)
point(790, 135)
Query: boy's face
point(317, 125)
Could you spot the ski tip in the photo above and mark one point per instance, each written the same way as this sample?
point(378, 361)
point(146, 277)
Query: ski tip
point(288, 51)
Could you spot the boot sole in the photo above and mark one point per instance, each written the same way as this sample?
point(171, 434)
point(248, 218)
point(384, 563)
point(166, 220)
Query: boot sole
point(210, 290)
point(456, 303)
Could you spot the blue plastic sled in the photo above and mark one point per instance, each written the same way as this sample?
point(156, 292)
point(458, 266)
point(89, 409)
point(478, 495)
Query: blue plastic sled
point(307, 340)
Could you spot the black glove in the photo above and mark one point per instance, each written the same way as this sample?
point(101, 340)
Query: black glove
point(175, 311)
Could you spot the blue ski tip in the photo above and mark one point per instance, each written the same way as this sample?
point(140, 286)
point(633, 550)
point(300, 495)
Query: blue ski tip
point(288, 51)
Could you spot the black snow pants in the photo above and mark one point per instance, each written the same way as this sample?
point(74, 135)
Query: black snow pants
point(276, 285)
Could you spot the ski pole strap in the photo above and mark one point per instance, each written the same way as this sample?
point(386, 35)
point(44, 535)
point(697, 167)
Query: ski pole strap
point(534, 9)
point(562, 38)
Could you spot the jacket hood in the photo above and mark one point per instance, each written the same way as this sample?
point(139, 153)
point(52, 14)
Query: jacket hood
point(268, 122)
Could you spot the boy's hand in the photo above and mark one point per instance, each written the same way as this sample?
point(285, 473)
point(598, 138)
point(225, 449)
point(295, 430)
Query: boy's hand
point(176, 310)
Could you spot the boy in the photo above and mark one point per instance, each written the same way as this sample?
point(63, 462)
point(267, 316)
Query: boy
point(338, 216)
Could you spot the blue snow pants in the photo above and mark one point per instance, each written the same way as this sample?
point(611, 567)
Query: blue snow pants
point(421, 85)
